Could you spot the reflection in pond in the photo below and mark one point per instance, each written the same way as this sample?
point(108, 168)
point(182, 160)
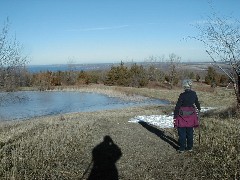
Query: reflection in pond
point(28, 104)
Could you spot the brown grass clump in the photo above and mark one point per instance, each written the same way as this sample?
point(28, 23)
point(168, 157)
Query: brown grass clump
point(42, 149)
point(218, 156)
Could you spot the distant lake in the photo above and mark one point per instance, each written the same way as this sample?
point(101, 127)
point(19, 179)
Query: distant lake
point(29, 104)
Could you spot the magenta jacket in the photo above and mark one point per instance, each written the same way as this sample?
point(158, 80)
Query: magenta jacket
point(187, 117)
point(185, 109)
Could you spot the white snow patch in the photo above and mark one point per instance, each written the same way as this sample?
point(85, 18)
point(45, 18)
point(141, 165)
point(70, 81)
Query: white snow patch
point(162, 121)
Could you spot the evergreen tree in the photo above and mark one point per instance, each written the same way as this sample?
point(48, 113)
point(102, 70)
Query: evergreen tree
point(138, 76)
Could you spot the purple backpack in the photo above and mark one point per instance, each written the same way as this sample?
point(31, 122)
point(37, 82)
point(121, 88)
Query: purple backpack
point(187, 117)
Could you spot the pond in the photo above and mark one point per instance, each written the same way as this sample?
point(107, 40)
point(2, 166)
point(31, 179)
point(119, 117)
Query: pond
point(29, 104)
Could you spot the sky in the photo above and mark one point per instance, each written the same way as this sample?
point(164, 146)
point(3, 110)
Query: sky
point(109, 31)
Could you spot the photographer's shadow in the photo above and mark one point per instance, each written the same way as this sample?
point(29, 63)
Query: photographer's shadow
point(160, 134)
point(104, 157)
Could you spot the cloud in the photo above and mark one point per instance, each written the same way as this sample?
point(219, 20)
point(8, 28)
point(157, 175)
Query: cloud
point(110, 27)
point(99, 28)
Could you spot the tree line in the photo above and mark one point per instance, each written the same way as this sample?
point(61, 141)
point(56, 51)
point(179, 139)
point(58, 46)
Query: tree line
point(134, 75)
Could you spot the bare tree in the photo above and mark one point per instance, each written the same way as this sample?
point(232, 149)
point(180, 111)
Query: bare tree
point(173, 63)
point(155, 68)
point(12, 63)
point(72, 71)
point(221, 37)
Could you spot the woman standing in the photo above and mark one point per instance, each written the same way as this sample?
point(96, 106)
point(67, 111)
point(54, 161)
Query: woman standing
point(185, 116)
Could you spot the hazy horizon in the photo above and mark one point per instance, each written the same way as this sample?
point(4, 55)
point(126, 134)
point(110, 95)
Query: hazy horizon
point(116, 62)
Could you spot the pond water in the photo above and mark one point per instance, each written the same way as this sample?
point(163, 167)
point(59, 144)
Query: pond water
point(29, 104)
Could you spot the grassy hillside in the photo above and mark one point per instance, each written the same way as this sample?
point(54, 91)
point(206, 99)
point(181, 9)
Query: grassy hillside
point(59, 147)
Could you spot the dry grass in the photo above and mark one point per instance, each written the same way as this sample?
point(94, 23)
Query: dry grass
point(59, 147)
point(219, 152)
point(220, 97)
point(47, 148)
point(56, 147)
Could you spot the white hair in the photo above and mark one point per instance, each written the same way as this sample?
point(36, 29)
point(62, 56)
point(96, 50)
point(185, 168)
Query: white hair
point(187, 84)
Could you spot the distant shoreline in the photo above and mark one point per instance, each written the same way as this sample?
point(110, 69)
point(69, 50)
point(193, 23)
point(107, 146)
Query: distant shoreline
point(97, 66)
point(68, 67)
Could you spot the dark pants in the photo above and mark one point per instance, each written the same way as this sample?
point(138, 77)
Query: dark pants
point(185, 138)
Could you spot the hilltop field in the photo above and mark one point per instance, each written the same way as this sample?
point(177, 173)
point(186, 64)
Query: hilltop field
point(70, 146)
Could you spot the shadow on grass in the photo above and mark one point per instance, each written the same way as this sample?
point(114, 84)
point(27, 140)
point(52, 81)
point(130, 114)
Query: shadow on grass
point(104, 157)
point(160, 134)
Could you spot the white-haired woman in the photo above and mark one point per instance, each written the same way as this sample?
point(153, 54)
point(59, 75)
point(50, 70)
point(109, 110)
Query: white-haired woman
point(185, 116)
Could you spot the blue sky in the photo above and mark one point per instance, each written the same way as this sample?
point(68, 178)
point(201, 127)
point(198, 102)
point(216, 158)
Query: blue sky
point(93, 31)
